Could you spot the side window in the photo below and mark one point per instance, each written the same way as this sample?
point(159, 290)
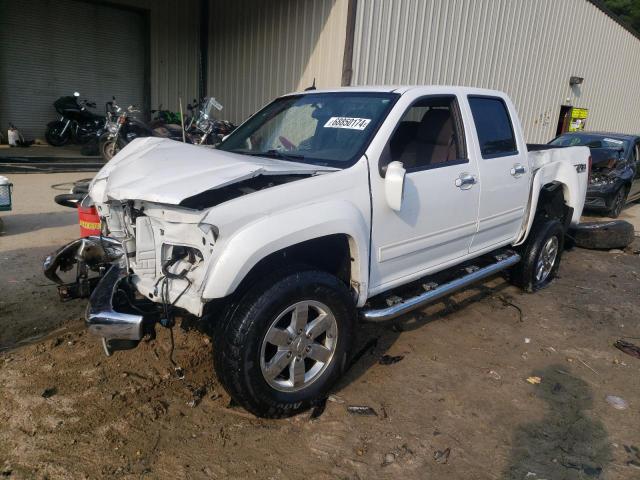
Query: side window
point(429, 135)
point(495, 132)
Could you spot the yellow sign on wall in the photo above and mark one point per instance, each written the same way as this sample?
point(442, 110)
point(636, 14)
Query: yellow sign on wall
point(578, 119)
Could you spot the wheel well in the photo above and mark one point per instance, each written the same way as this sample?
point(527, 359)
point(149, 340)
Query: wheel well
point(552, 203)
point(331, 254)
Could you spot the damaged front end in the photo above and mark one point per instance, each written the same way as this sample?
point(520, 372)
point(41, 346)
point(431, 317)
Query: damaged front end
point(115, 313)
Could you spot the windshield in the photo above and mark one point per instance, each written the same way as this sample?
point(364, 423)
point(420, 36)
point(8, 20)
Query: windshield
point(208, 106)
point(330, 129)
point(587, 140)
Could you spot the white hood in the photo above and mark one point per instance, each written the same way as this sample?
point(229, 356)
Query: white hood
point(165, 171)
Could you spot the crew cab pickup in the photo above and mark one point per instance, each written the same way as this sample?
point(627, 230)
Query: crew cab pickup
point(323, 209)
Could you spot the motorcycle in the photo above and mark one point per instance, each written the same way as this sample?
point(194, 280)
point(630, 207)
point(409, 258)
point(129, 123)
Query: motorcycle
point(200, 129)
point(76, 122)
point(204, 128)
point(121, 127)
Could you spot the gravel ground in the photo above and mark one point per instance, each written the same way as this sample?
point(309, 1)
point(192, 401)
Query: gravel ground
point(456, 404)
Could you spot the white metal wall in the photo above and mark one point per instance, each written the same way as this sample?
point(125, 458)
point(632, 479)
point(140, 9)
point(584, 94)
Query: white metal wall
point(528, 49)
point(259, 50)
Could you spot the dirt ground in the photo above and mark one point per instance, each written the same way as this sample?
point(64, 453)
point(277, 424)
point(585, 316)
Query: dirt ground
point(457, 405)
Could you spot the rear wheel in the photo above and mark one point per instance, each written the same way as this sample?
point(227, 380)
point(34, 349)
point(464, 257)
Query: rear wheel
point(540, 256)
point(54, 135)
point(284, 344)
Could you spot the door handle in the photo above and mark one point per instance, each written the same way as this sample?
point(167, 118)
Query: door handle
point(465, 181)
point(518, 170)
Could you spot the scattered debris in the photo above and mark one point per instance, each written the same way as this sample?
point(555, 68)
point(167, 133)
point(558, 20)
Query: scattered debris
point(363, 410)
point(588, 366)
point(527, 340)
point(198, 394)
point(442, 456)
point(389, 458)
point(628, 348)
point(318, 410)
point(49, 392)
point(534, 380)
point(495, 375)
point(508, 303)
point(616, 402)
point(388, 359)
point(335, 399)
point(616, 250)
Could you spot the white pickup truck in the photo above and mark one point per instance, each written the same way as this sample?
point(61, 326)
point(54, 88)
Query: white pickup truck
point(323, 208)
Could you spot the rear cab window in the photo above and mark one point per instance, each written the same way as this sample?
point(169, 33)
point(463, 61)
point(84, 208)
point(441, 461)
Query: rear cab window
point(493, 126)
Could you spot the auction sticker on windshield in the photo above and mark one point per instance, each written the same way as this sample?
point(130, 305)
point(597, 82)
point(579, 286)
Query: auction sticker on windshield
point(347, 122)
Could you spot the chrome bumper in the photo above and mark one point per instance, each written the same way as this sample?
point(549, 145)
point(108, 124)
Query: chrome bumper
point(119, 331)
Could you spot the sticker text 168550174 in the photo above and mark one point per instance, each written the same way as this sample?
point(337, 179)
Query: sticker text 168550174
point(347, 122)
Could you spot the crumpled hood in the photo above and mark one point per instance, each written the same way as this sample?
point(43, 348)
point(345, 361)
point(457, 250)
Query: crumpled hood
point(165, 171)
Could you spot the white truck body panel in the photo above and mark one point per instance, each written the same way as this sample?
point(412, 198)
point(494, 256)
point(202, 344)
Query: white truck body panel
point(438, 225)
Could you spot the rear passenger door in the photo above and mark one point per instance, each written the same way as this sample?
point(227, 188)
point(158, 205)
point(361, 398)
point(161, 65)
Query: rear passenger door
point(504, 176)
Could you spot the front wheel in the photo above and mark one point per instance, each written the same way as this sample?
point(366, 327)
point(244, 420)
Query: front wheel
point(285, 343)
point(618, 202)
point(54, 135)
point(108, 147)
point(540, 256)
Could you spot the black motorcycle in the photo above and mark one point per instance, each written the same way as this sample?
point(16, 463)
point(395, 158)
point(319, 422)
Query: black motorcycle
point(76, 122)
point(121, 127)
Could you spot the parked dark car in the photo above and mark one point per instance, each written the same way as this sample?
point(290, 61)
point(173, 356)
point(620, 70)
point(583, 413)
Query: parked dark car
point(615, 168)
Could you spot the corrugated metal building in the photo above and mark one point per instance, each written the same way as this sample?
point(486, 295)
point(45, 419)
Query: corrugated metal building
point(246, 52)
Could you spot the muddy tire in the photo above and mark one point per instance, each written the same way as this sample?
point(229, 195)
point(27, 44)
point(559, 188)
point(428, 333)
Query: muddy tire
point(541, 256)
point(284, 344)
point(603, 235)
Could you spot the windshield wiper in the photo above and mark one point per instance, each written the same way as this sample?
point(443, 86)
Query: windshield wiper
point(275, 154)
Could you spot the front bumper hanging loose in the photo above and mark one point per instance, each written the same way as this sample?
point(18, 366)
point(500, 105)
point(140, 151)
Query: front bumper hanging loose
point(119, 330)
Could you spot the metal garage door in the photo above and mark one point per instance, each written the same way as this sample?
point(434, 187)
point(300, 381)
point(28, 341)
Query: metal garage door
point(50, 48)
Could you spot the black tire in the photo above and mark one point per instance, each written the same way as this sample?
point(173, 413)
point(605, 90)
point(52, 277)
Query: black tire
point(53, 137)
point(239, 339)
point(71, 200)
point(108, 147)
point(603, 235)
point(618, 202)
point(525, 273)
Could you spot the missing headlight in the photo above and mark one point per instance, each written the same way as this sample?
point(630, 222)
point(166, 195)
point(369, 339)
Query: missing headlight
point(178, 260)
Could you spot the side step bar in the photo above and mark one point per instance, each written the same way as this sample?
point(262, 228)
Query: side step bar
point(379, 315)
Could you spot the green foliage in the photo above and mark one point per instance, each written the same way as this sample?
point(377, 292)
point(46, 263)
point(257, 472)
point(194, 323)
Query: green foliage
point(627, 10)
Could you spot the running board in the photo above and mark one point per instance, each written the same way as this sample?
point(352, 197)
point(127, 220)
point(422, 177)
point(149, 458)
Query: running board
point(433, 292)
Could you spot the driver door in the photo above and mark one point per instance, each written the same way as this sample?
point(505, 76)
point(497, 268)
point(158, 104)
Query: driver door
point(439, 211)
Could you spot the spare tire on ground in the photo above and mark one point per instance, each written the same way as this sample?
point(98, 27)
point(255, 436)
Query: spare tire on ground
point(603, 235)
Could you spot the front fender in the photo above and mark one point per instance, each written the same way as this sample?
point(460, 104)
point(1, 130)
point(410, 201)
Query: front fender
point(272, 233)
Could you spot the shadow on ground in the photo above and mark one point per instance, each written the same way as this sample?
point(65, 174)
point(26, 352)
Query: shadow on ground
point(567, 444)
point(32, 222)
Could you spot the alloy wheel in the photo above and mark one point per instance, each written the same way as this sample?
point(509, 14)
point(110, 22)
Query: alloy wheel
point(299, 346)
point(547, 259)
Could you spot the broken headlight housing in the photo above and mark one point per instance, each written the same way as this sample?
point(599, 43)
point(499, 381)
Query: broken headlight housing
point(600, 180)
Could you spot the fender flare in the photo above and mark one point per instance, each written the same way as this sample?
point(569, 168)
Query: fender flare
point(563, 174)
point(272, 233)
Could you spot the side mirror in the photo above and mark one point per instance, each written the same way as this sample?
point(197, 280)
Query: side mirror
point(76, 94)
point(394, 185)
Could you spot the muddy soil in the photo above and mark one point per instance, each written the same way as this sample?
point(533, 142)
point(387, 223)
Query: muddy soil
point(457, 405)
